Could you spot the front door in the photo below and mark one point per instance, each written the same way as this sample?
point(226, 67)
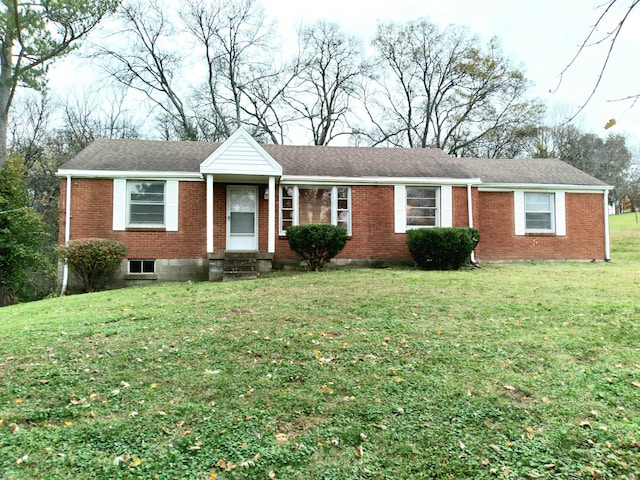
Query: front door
point(242, 218)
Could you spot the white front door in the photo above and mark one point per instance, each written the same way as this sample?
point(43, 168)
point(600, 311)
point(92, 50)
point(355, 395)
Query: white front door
point(242, 218)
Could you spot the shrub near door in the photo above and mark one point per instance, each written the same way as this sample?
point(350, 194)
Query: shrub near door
point(442, 248)
point(316, 244)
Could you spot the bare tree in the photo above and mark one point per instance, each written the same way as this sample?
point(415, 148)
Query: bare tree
point(329, 81)
point(440, 89)
point(611, 36)
point(243, 85)
point(149, 62)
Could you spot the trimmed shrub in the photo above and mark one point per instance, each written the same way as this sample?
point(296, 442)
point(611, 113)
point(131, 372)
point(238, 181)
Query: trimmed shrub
point(442, 248)
point(93, 260)
point(316, 244)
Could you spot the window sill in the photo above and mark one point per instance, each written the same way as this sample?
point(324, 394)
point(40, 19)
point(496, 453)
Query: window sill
point(540, 234)
point(141, 276)
point(147, 229)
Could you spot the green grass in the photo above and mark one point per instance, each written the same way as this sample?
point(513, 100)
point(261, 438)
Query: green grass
point(520, 370)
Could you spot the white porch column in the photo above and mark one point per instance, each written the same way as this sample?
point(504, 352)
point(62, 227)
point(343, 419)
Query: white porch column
point(209, 213)
point(272, 215)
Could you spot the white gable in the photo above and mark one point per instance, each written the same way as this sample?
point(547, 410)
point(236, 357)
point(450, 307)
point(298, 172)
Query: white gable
point(240, 154)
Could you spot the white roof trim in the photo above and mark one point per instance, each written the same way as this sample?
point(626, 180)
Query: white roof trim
point(509, 187)
point(131, 174)
point(240, 154)
point(321, 180)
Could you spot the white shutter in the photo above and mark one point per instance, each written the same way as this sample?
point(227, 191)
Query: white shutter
point(446, 206)
point(518, 210)
point(400, 208)
point(171, 206)
point(119, 204)
point(561, 217)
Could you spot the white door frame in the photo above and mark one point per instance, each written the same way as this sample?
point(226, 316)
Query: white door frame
point(242, 238)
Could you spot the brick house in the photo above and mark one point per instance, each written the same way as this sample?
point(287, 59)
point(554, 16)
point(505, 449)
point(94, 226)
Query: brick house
point(186, 210)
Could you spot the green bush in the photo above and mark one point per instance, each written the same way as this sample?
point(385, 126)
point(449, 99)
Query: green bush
point(93, 260)
point(442, 248)
point(23, 238)
point(316, 244)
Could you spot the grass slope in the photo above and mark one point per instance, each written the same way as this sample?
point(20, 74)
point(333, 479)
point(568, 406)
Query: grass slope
point(528, 370)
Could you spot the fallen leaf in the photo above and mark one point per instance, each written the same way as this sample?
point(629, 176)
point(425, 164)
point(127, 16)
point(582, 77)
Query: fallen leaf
point(496, 448)
point(585, 423)
point(462, 445)
point(534, 475)
point(486, 462)
point(135, 462)
point(15, 429)
point(359, 451)
point(281, 438)
point(636, 384)
point(24, 458)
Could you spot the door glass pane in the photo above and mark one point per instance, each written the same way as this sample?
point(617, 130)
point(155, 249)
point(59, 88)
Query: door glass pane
point(242, 222)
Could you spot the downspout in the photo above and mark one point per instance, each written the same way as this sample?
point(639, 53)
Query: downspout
point(470, 210)
point(67, 235)
point(607, 244)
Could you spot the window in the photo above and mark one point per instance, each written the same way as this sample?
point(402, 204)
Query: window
point(538, 212)
point(422, 207)
point(142, 266)
point(146, 203)
point(315, 205)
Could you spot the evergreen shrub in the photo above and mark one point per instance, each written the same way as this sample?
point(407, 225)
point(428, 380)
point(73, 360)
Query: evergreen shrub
point(442, 248)
point(316, 244)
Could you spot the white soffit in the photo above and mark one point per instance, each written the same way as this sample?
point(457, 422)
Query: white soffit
point(240, 154)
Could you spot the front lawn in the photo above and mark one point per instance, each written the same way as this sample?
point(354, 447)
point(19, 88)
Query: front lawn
point(527, 370)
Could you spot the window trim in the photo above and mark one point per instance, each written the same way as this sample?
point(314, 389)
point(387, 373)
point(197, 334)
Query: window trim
point(296, 205)
point(130, 185)
point(551, 212)
point(444, 207)
point(437, 207)
point(121, 202)
point(559, 227)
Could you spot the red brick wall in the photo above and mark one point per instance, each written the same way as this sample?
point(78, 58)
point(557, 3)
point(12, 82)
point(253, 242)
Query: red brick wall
point(372, 219)
point(372, 227)
point(92, 217)
point(584, 239)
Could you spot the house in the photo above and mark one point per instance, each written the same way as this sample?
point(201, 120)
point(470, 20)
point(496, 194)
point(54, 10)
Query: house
point(188, 210)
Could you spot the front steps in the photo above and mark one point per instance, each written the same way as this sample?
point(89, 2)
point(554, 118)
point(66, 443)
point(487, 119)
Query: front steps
point(232, 266)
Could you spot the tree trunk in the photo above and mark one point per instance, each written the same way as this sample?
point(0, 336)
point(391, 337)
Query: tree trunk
point(6, 88)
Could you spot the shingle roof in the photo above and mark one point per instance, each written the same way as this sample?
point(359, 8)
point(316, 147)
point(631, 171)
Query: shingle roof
point(174, 156)
point(544, 171)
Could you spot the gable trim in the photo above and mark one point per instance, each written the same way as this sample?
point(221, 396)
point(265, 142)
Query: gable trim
point(240, 154)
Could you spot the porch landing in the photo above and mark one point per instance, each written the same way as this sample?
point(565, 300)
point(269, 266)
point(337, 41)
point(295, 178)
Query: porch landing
point(238, 265)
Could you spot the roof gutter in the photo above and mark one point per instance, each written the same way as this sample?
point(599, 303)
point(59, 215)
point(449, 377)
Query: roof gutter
point(327, 180)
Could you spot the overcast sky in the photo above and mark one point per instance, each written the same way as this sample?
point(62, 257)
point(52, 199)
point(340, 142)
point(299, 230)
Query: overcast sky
point(541, 36)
